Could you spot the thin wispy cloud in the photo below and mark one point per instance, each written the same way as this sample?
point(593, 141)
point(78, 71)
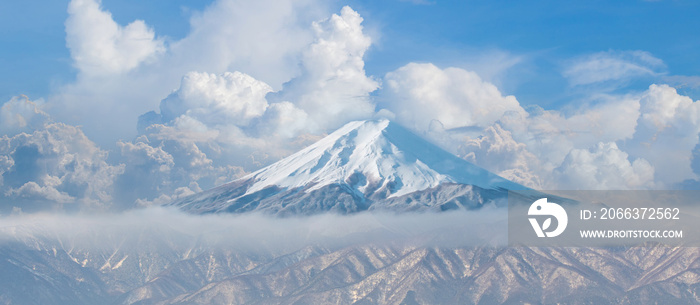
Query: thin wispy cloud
point(612, 66)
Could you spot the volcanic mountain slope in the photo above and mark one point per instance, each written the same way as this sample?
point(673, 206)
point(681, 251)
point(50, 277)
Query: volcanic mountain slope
point(364, 165)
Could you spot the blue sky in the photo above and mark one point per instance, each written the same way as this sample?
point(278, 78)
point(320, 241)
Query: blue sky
point(131, 103)
point(448, 33)
point(34, 39)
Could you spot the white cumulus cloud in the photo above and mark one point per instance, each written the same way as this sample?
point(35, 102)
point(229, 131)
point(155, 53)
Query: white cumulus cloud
point(667, 133)
point(99, 45)
point(262, 38)
point(56, 164)
point(124, 70)
point(19, 114)
point(333, 87)
point(605, 167)
point(420, 93)
point(499, 152)
point(229, 98)
point(551, 134)
point(161, 170)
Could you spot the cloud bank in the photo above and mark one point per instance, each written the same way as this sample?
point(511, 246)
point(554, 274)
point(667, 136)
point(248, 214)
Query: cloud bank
point(251, 231)
point(56, 165)
point(150, 119)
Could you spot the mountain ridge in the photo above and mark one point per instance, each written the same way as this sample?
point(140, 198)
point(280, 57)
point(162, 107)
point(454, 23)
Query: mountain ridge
point(166, 267)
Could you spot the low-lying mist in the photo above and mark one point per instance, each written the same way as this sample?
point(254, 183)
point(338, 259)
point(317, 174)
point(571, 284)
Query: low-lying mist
point(145, 227)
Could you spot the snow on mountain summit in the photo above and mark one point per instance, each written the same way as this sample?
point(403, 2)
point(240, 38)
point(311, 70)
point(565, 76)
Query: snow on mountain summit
point(364, 165)
point(371, 155)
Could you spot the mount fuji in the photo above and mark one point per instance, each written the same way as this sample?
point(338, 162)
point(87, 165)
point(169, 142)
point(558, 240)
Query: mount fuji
point(364, 165)
point(157, 257)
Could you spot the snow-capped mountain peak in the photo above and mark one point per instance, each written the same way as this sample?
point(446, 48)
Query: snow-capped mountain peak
point(363, 165)
point(359, 154)
point(378, 154)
